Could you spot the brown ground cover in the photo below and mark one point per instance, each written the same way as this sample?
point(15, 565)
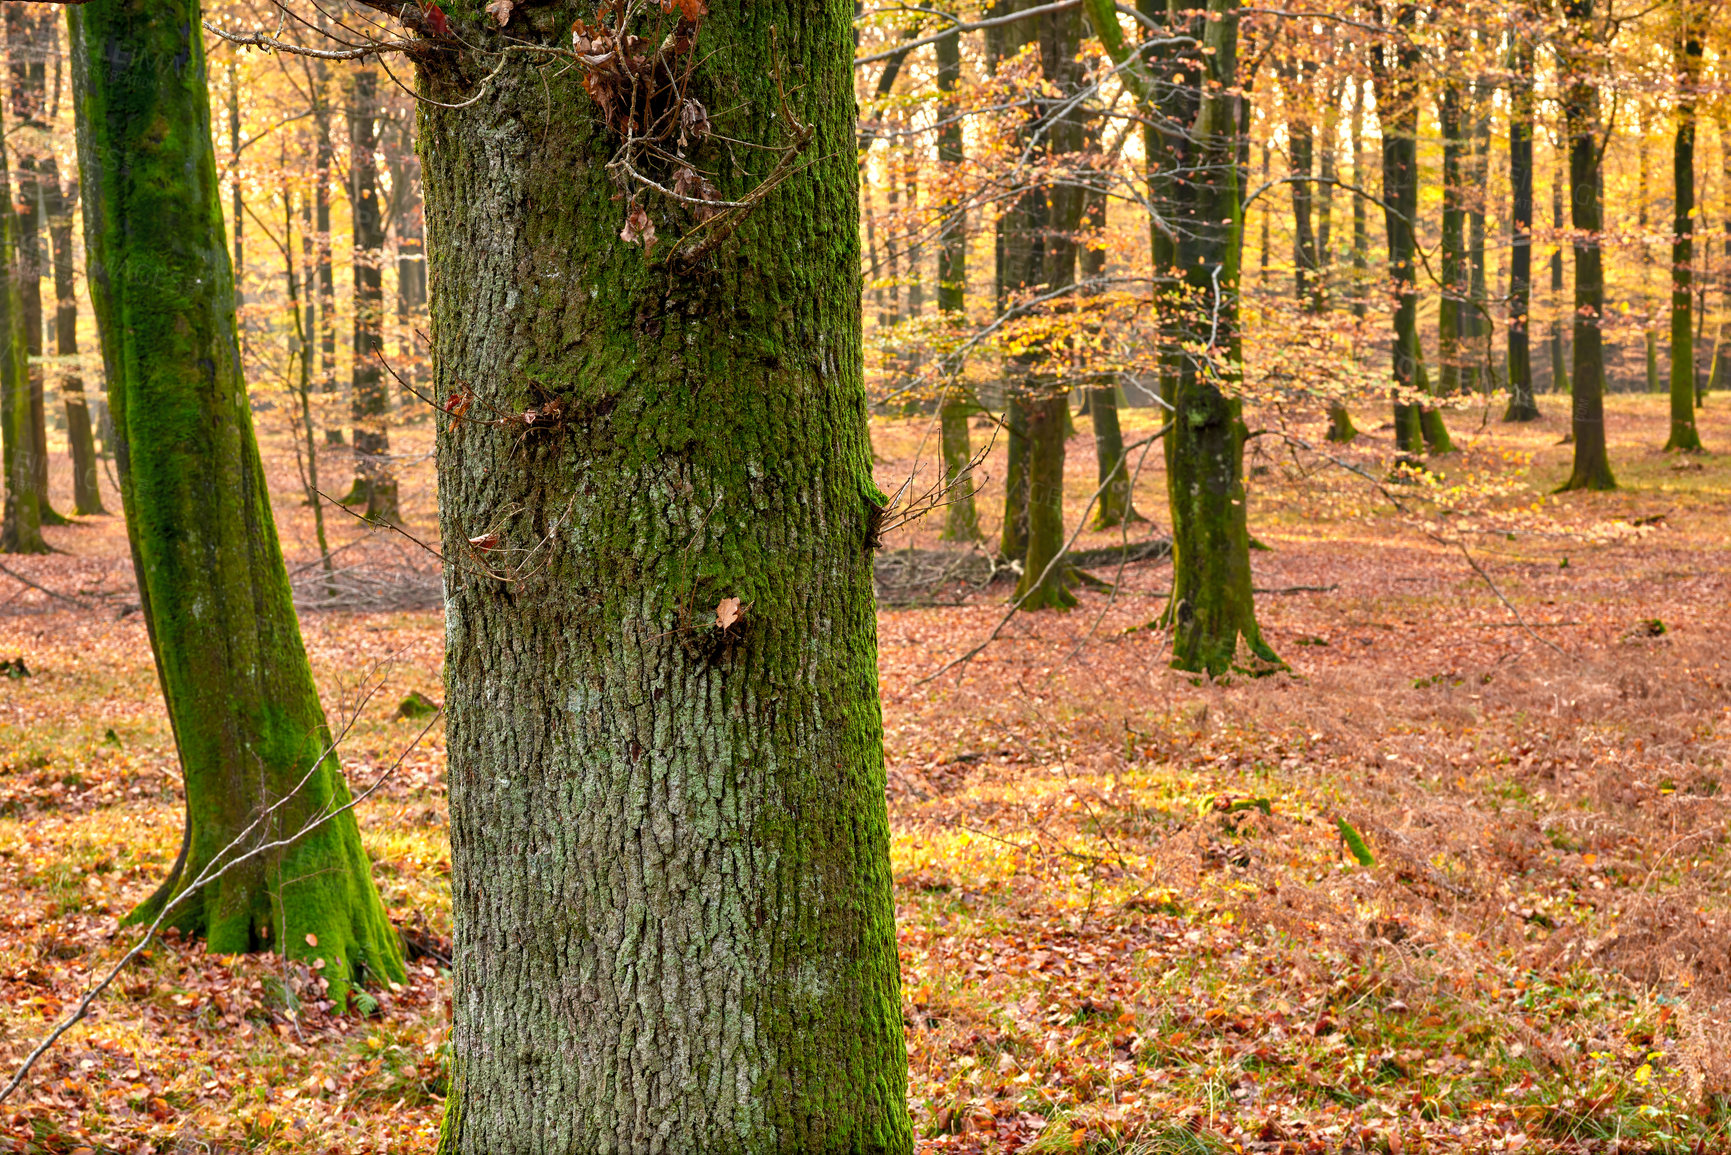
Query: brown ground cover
point(1129, 920)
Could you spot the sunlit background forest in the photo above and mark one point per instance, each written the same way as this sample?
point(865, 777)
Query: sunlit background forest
point(1436, 860)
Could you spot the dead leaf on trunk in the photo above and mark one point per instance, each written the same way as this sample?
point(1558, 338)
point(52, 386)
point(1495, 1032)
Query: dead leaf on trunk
point(728, 613)
point(500, 10)
point(485, 541)
point(638, 226)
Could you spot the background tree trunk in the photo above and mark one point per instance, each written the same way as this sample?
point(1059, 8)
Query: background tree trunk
point(1043, 584)
point(369, 401)
point(29, 43)
point(1397, 107)
point(669, 839)
point(215, 595)
point(21, 523)
point(1592, 467)
point(961, 519)
point(1684, 435)
point(1522, 404)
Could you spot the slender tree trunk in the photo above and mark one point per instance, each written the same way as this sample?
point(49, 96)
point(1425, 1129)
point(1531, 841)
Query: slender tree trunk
point(1115, 506)
point(214, 591)
point(1522, 404)
point(1045, 575)
point(237, 193)
point(86, 473)
point(1720, 376)
point(1684, 435)
point(1213, 608)
point(29, 44)
point(1592, 468)
point(961, 519)
point(670, 854)
point(21, 523)
point(369, 400)
point(324, 157)
point(1453, 243)
point(1475, 353)
point(1020, 265)
point(1559, 358)
point(1397, 107)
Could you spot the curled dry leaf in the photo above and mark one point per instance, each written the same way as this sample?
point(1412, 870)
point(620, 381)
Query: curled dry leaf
point(693, 122)
point(500, 10)
point(485, 541)
point(692, 10)
point(436, 18)
point(638, 225)
point(728, 613)
point(458, 403)
point(687, 183)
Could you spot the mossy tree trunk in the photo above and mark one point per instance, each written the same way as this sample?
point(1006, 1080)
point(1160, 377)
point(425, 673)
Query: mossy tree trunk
point(670, 847)
point(1394, 68)
point(1584, 124)
point(1522, 404)
point(961, 518)
point(1684, 435)
point(213, 588)
point(369, 400)
point(1213, 607)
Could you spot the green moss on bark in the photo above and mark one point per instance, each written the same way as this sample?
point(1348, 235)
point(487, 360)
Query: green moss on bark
point(673, 907)
point(246, 716)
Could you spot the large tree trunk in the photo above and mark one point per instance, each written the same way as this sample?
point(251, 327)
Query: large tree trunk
point(211, 581)
point(669, 842)
point(1592, 467)
point(1684, 435)
point(21, 523)
point(29, 43)
point(369, 400)
point(961, 519)
point(1522, 404)
point(1397, 108)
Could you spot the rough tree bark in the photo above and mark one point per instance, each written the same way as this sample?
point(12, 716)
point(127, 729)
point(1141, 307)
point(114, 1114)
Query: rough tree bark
point(212, 585)
point(1584, 124)
point(671, 878)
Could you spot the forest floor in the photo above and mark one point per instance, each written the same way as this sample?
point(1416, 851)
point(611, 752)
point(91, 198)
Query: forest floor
point(1128, 918)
